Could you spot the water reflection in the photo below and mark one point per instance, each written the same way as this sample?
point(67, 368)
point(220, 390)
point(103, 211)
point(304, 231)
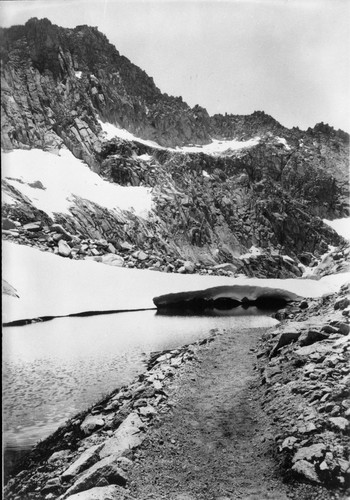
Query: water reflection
point(219, 311)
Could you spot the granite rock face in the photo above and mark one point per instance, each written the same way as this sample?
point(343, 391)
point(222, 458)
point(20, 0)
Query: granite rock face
point(209, 208)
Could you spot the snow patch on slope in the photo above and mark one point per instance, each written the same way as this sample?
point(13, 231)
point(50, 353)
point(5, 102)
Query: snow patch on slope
point(214, 148)
point(112, 131)
point(341, 226)
point(252, 252)
point(283, 141)
point(64, 176)
point(217, 147)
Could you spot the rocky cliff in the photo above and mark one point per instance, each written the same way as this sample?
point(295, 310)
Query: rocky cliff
point(59, 85)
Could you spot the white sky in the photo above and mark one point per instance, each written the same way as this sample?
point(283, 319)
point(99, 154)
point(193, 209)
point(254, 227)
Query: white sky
point(289, 58)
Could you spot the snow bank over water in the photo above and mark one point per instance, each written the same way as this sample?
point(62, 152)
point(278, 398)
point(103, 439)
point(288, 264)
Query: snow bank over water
point(50, 182)
point(49, 285)
point(341, 226)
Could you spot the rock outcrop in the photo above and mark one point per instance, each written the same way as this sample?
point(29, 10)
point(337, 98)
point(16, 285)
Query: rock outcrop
point(59, 84)
point(304, 367)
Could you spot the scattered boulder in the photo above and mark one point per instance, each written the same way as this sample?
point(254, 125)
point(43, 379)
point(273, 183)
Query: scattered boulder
point(310, 452)
point(91, 423)
point(344, 328)
point(306, 470)
point(189, 266)
point(286, 338)
point(339, 423)
point(86, 460)
point(311, 336)
point(57, 456)
point(54, 484)
point(64, 249)
point(342, 303)
point(231, 268)
point(106, 468)
point(8, 224)
point(127, 436)
point(32, 226)
point(112, 260)
point(110, 492)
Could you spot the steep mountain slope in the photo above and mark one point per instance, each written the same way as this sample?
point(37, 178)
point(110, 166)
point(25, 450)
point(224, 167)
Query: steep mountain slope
point(269, 188)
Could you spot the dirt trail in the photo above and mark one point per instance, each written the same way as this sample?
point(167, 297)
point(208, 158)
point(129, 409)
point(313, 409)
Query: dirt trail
point(214, 443)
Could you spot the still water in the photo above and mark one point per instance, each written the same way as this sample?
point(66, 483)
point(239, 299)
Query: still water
point(53, 370)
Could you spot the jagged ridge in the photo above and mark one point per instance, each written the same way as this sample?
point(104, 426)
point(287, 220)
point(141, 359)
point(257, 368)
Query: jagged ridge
point(57, 82)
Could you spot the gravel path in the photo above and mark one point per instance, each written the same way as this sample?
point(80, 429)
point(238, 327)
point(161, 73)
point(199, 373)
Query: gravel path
point(214, 443)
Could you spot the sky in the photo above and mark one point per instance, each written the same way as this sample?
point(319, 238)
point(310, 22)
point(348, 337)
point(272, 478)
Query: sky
point(289, 58)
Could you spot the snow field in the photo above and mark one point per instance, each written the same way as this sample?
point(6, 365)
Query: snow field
point(63, 176)
point(341, 226)
point(49, 285)
point(215, 147)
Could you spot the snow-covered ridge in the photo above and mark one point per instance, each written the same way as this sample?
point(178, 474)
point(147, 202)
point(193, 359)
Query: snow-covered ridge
point(50, 182)
point(214, 148)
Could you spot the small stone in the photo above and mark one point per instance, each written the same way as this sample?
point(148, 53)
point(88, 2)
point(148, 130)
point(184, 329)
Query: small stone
point(64, 249)
point(157, 385)
point(53, 484)
point(127, 436)
point(59, 455)
point(91, 423)
point(307, 470)
point(307, 428)
point(324, 466)
point(111, 248)
point(189, 266)
point(147, 411)
point(8, 224)
point(344, 465)
point(329, 329)
point(124, 463)
point(142, 255)
point(342, 303)
point(33, 226)
point(285, 338)
point(311, 336)
point(112, 260)
point(288, 443)
point(344, 328)
point(110, 492)
point(85, 460)
point(340, 423)
point(310, 452)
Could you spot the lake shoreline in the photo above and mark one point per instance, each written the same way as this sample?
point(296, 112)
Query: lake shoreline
point(140, 408)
